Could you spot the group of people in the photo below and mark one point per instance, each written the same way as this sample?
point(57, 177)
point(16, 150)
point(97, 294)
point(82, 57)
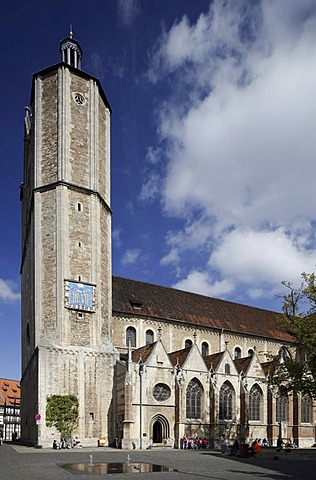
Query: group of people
point(194, 442)
point(14, 436)
point(289, 443)
point(61, 445)
point(253, 449)
point(65, 444)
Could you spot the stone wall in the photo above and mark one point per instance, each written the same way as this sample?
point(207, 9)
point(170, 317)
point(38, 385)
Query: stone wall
point(85, 374)
point(175, 335)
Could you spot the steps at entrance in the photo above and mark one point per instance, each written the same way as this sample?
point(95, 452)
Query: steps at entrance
point(160, 446)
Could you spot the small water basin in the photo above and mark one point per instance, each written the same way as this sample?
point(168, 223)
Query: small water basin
point(116, 467)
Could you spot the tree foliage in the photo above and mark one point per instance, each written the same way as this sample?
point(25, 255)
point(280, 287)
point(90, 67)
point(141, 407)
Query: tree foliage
point(298, 373)
point(62, 412)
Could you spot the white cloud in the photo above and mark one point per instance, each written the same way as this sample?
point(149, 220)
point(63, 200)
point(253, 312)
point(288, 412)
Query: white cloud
point(252, 257)
point(239, 129)
point(130, 256)
point(150, 189)
point(8, 291)
point(129, 207)
point(172, 258)
point(101, 64)
point(128, 10)
point(199, 282)
point(153, 155)
point(195, 233)
point(117, 236)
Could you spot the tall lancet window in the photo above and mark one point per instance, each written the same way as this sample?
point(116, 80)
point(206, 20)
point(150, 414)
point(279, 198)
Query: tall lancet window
point(306, 408)
point(255, 396)
point(226, 395)
point(281, 408)
point(194, 399)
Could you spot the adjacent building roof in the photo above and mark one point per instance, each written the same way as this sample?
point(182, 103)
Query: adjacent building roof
point(179, 356)
point(10, 393)
point(212, 361)
point(266, 367)
point(242, 364)
point(145, 299)
point(142, 353)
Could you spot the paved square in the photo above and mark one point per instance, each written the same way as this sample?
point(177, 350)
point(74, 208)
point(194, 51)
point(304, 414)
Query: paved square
point(25, 463)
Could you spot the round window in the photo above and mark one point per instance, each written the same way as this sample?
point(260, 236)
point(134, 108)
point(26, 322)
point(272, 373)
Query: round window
point(79, 99)
point(161, 392)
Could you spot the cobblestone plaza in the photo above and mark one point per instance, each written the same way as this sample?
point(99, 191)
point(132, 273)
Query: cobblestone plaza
point(26, 463)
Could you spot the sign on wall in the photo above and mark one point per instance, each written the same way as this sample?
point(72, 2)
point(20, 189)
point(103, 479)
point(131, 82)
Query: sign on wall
point(80, 296)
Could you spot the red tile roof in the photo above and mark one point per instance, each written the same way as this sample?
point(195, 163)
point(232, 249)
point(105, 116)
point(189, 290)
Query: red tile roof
point(212, 361)
point(179, 356)
point(242, 364)
point(266, 367)
point(142, 352)
point(139, 298)
point(10, 393)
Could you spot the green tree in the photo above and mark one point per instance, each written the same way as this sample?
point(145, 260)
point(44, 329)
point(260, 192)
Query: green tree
point(62, 412)
point(298, 373)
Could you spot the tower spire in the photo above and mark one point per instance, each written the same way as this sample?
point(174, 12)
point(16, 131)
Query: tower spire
point(70, 50)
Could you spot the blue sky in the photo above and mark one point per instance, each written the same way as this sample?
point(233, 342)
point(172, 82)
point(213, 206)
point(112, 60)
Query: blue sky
point(212, 140)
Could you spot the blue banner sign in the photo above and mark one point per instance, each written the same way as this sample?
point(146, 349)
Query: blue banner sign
point(79, 296)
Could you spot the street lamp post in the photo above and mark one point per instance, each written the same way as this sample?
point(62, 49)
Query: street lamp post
point(140, 371)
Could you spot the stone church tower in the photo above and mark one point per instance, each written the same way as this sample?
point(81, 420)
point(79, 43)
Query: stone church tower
point(66, 250)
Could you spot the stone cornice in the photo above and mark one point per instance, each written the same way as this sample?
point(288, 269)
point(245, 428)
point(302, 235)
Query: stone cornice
point(74, 187)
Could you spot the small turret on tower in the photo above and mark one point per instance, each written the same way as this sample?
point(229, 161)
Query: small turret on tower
point(70, 50)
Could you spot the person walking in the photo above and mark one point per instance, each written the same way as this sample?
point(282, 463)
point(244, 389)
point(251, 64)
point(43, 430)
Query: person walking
point(222, 442)
point(280, 442)
point(255, 448)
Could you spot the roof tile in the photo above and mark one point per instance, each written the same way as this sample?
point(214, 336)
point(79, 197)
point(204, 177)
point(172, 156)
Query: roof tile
point(171, 304)
point(179, 356)
point(10, 392)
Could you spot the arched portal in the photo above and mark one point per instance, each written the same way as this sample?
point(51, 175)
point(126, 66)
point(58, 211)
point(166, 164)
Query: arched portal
point(157, 432)
point(160, 429)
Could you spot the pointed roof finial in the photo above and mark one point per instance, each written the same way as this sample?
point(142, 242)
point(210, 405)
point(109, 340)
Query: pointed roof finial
point(70, 50)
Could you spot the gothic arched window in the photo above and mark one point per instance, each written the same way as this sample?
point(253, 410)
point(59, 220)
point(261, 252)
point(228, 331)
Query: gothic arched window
point(188, 343)
point(306, 409)
point(149, 337)
point(250, 352)
point(281, 408)
point(194, 399)
point(227, 368)
point(205, 349)
point(237, 353)
point(255, 396)
point(226, 401)
point(131, 337)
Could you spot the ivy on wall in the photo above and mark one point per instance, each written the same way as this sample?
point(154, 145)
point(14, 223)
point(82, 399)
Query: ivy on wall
point(62, 412)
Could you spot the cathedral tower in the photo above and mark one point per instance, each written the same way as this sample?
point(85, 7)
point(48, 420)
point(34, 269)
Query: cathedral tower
point(66, 249)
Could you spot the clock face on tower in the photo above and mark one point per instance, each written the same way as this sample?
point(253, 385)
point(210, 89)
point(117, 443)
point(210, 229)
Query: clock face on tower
point(161, 392)
point(79, 296)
